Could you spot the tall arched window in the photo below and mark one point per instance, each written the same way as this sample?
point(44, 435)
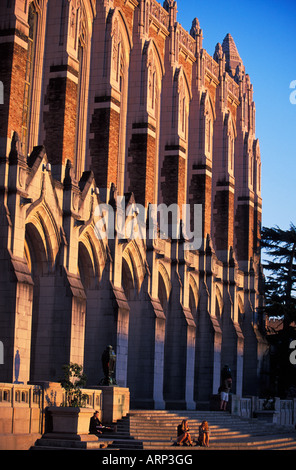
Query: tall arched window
point(119, 84)
point(117, 55)
point(229, 136)
point(252, 170)
point(208, 134)
point(152, 83)
point(182, 105)
point(32, 21)
point(83, 58)
point(182, 109)
point(231, 151)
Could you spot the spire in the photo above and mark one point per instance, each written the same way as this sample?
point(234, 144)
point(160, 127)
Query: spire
point(231, 54)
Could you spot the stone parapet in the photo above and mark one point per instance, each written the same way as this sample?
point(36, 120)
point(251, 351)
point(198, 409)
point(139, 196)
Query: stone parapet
point(115, 403)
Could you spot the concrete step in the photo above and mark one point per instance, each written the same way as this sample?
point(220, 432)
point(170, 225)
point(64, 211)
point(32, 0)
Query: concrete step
point(157, 429)
point(86, 442)
point(62, 444)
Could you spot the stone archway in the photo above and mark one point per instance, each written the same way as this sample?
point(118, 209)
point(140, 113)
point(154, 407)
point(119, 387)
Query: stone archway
point(36, 255)
point(128, 279)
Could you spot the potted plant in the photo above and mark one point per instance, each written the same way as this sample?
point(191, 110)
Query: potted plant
point(71, 418)
point(73, 381)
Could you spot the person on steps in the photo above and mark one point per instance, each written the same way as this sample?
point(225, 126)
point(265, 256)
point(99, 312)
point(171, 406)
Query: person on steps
point(204, 434)
point(183, 435)
point(96, 427)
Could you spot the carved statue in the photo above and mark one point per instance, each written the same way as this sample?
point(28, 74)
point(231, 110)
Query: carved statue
point(108, 364)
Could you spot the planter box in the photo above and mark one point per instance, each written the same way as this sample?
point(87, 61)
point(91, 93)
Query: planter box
point(69, 422)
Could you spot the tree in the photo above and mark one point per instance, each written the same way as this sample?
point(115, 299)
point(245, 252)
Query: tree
point(280, 286)
point(280, 301)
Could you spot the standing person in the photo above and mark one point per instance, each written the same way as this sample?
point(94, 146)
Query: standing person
point(224, 393)
point(204, 434)
point(224, 389)
point(183, 434)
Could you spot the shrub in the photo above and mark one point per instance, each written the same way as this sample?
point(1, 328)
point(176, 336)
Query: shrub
point(74, 380)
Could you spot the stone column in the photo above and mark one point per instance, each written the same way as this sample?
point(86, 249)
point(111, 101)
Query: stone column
point(209, 332)
point(16, 280)
point(146, 353)
point(208, 351)
point(233, 339)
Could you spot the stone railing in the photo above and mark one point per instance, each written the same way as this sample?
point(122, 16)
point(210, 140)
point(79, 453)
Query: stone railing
point(159, 13)
point(186, 40)
point(22, 407)
point(233, 87)
point(210, 64)
point(282, 411)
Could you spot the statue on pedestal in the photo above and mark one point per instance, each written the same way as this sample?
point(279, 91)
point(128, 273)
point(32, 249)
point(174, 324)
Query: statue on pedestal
point(108, 364)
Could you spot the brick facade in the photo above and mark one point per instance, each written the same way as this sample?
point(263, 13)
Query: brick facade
point(124, 102)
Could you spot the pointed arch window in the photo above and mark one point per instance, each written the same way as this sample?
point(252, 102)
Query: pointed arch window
point(229, 144)
point(231, 151)
point(183, 112)
point(32, 21)
point(208, 134)
point(151, 84)
point(83, 59)
point(251, 170)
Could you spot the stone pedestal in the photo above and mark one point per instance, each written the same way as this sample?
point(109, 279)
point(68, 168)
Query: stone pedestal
point(69, 422)
point(116, 403)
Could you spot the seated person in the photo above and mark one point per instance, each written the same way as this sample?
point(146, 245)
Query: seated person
point(96, 427)
point(204, 434)
point(183, 434)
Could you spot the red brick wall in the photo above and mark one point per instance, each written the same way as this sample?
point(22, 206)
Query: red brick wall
point(244, 218)
point(60, 119)
point(223, 213)
point(104, 145)
point(173, 187)
point(141, 167)
point(257, 227)
point(127, 11)
point(200, 192)
point(12, 74)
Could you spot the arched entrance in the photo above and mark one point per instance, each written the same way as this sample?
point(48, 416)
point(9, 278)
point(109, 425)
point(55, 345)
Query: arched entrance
point(36, 253)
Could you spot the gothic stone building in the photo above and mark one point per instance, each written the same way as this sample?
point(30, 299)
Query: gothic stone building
point(107, 101)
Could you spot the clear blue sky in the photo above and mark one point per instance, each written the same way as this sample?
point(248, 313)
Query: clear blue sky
point(265, 35)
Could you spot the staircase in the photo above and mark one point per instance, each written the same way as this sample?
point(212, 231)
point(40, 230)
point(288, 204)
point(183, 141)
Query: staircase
point(156, 430)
